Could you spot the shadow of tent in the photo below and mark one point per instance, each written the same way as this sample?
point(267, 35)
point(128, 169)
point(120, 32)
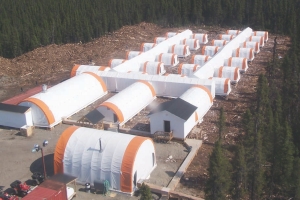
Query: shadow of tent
point(37, 165)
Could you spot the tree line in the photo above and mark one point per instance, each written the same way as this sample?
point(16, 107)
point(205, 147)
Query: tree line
point(28, 24)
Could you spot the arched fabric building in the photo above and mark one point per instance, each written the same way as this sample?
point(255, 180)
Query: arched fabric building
point(97, 156)
point(219, 43)
point(182, 114)
point(158, 40)
point(222, 86)
point(187, 69)
point(201, 37)
point(210, 50)
point(259, 39)
point(232, 73)
point(200, 59)
point(115, 62)
point(147, 46)
point(169, 59)
point(241, 63)
point(233, 32)
point(127, 103)
point(252, 45)
point(226, 37)
point(171, 34)
point(132, 54)
point(192, 43)
point(153, 68)
point(261, 33)
point(79, 69)
point(63, 100)
point(181, 51)
point(244, 53)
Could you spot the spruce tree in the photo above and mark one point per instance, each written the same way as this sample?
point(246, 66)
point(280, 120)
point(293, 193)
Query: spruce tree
point(240, 173)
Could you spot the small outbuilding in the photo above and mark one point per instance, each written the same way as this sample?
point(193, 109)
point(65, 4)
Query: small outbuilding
point(261, 33)
point(117, 161)
point(192, 43)
point(199, 59)
point(210, 50)
point(132, 54)
point(226, 37)
point(232, 73)
point(253, 45)
point(187, 69)
point(153, 68)
point(219, 43)
point(146, 46)
point(241, 63)
point(233, 32)
point(259, 39)
point(112, 63)
point(201, 37)
point(79, 69)
point(158, 40)
point(244, 53)
point(181, 51)
point(169, 59)
point(15, 116)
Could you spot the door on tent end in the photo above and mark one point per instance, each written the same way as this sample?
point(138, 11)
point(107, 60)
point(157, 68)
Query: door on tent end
point(135, 179)
point(115, 118)
point(167, 126)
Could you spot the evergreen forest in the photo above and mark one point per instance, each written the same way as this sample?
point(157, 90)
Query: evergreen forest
point(266, 160)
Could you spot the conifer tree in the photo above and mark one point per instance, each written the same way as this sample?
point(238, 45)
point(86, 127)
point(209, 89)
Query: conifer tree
point(240, 173)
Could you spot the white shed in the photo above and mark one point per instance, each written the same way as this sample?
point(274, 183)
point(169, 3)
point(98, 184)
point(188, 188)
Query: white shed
point(259, 39)
point(112, 63)
point(158, 40)
point(210, 50)
point(233, 32)
point(199, 59)
point(171, 34)
point(201, 37)
point(123, 106)
point(169, 59)
point(97, 156)
point(265, 34)
point(222, 86)
point(219, 43)
point(63, 100)
point(252, 45)
point(241, 63)
point(187, 69)
point(132, 54)
point(79, 69)
point(232, 73)
point(153, 68)
point(15, 116)
point(226, 37)
point(244, 53)
point(181, 51)
point(192, 43)
point(147, 46)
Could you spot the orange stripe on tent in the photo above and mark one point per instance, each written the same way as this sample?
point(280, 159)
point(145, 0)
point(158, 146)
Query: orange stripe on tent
point(227, 32)
point(227, 81)
point(160, 57)
point(180, 68)
point(126, 176)
point(153, 45)
point(184, 41)
point(155, 39)
point(237, 32)
point(194, 36)
point(256, 46)
point(213, 42)
point(237, 52)
point(203, 38)
point(142, 47)
point(44, 108)
point(245, 44)
point(173, 59)
point(166, 74)
point(185, 49)
point(216, 49)
point(127, 55)
point(251, 54)
point(102, 68)
point(231, 37)
point(124, 61)
point(193, 59)
point(229, 61)
point(60, 149)
point(196, 117)
point(254, 33)
point(206, 58)
point(262, 40)
point(115, 109)
point(195, 44)
point(173, 48)
point(145, 66)
point(158, 68)
point(99, 79)
point(110, 62)
point(244, 63)
point(195, 68)
point(220, 72)
point(203, 50)
point(150, 87)
point(74, 69)
point(224, 42)
point(266, 35)
point(236, 73)
point(206, 90)
point(220, 37)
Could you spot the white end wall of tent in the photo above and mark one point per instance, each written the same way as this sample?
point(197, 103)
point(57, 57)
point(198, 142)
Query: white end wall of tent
point(223, 87)
point(232, 73)
point(15, 119)
point(63, 100)
point(201, 37)
point(127, 103)
point(241, 63)
point(134, 63)
point(207, 69)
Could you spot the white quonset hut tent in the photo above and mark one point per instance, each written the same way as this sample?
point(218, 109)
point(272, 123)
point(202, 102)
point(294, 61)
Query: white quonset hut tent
point(127, 103)
point(201, 37)
point(158, 40)
point(241, 63)
point(97, 156)
point(192, 43)
point(219, 43)
point(115, 62)
point(232, 73)
point(252, 45)
point(171, 34)
point(63, 100)
point(181, 51)
point(233, 32)
point(199, 59)
point(261, 33)
point(187, 69)
point(226, 37)
point(79, 69)
point(223, 87)
point(182, 114)
point(244, 53)
point(132, 54)
point(210, 50)
point(147, 46)
point(259, 39)
point(153, 68)
point(15, 116)
point(169, 59)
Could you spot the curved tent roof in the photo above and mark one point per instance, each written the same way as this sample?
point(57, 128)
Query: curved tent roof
point(241, 63)
point(153, 68)
point(147, 46)
point(199, 59)
point(132, 54)
point(244, 53)
point(252, 45)
point(233, 32)
point(259, 39)
point(158, 40)
point(219, 43)
point(192, 43)
point(169, 59)
point(232, 73)
point(79, 69)
point(226, 37)
point(120, 156)
point(65, 99)
point(180, 50)
point(187, 69)
point(210, 50)
point(261, 33)
point(115, 62)
point(201, 37)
